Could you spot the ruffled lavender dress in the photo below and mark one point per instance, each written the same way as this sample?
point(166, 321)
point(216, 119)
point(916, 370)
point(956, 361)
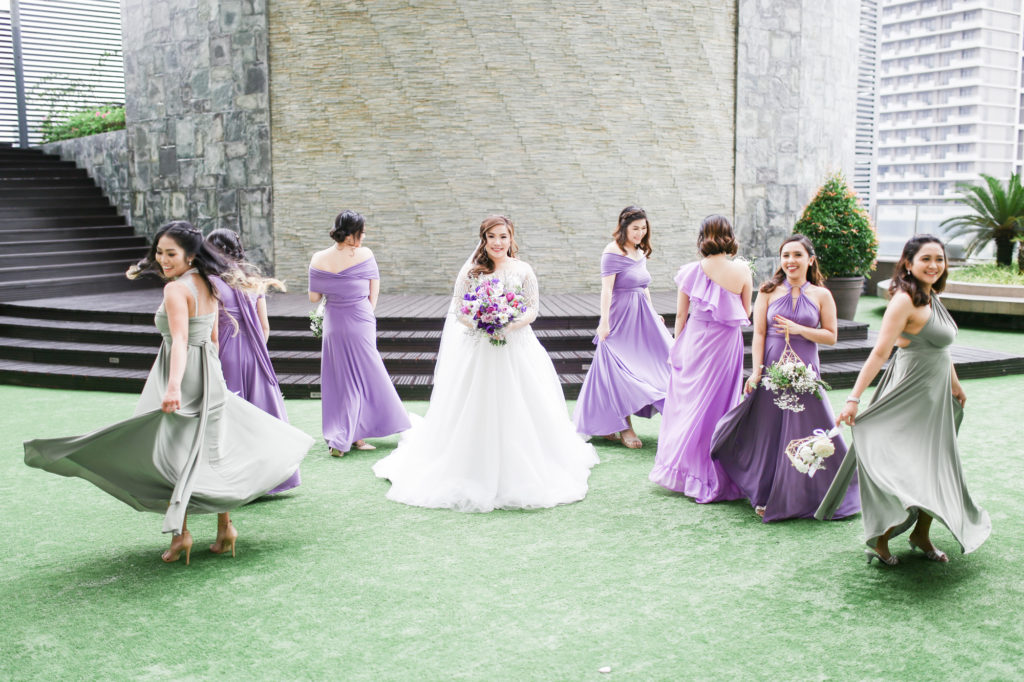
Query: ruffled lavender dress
point(750, 441)
point(707, 369)
point(629, 374)
point(245, 360)
point(358, 398)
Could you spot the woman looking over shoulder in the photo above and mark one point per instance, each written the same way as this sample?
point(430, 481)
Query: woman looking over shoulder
point(628, 375)
point(707, 365)
point(904, 446)
point(244, 328)
point(497, 434)
point(358, 399)
point(750, 441)
point(193, 445)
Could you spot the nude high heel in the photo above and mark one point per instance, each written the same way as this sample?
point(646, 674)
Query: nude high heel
point(227, 542)
point(872, 555)
point(174, 553)
point(934, 554)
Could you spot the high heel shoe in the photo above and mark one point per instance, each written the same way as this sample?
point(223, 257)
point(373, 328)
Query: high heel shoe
point(173, 553)
point(934, 554)
point(363, 445)
point(335, 452)
point(226, 542)
point(872, 555)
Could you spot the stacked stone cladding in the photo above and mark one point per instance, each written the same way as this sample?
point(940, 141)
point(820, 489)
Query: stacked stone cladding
point(106, 159)
point(198, 117)
point(426, 117)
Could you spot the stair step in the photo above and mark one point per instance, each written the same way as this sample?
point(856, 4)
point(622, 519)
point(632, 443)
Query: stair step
point(18, 184)
point(42, 207)
point(41, 171)
point(30, 194)
point(63, 245)
point(81, 284)
point(129, 253)
point(36, 234)
point(8, 160)
point(60, 271)
point(106, 218)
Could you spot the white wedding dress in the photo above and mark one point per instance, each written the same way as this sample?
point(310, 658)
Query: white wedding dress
point(497, 434)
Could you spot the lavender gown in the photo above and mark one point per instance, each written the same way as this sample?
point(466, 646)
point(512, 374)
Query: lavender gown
point(629, 374)
point(707, 368)
point(750, 441)
point(358, 398)
point(245, 360)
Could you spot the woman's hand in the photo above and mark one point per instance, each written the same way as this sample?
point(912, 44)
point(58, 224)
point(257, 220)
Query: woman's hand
point(958, 393)
point(172, 400)
point(603, 330)
point(782, 325)
point(662, 318)
point(848, 415)
point(751, 384)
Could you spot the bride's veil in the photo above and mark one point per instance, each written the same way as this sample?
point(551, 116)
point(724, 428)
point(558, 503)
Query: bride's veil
point(455, 341)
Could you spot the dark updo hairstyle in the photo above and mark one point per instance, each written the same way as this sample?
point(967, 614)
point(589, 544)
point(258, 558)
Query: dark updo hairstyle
point(229, 244)
point(482, 263)
point(716, 236)
point(347, 224)
point(629, 215)
point(904, 280)
point(813, 272)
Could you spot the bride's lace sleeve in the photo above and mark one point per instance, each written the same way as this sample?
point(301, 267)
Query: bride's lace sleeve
point(531, 292)
point(461, 289)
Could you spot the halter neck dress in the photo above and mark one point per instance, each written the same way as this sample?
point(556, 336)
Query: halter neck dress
point(904, 447)
point(629, 372)
point(214, 454)
point(750, 441)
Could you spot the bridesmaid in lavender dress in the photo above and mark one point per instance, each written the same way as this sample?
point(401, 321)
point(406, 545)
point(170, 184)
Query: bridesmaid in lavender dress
point(707, 366)
point(629, 374)
point(244, 329)
point(750, 441)
point(359, 400)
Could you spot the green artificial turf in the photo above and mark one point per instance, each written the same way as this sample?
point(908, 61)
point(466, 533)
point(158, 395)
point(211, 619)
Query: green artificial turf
point(336, 582)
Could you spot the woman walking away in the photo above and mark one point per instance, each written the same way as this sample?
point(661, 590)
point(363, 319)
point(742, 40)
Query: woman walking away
point(904, 447)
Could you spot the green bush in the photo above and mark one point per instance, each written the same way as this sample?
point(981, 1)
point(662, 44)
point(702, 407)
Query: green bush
point(840, 230)
point(989, 273)
point(85, 122)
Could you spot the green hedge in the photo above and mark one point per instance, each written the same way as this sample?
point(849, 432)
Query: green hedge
point(86, 122)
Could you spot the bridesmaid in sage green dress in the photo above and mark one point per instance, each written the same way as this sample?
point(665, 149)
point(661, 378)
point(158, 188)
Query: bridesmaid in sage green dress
point(904, 443)
point(193, 445)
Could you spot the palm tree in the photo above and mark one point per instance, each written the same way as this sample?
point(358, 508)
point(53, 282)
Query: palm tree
point(998, 215)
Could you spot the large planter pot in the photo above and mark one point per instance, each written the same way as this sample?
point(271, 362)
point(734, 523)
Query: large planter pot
point(846, 292)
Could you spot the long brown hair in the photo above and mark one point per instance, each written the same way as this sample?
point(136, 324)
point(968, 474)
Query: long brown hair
point(629, 215)
point(904, 280)
point(813, 272)
point(482, 263)
point(716, 236)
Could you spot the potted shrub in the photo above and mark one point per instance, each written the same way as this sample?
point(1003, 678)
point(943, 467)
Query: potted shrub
point(844, 239)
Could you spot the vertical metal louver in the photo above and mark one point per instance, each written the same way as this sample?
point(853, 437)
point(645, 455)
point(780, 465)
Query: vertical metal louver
point(71, 55)
point(867, 66)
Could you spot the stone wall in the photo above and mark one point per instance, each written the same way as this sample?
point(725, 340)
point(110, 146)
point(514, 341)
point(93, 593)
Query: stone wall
point(426, 117)
point(796, 89)
point(105, 158)
point(198, 119)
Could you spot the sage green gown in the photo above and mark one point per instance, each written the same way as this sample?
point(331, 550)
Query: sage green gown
point(214, 454)
point(904, 445)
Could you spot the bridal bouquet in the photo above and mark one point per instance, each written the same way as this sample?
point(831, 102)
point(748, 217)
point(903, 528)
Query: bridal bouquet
point(316, 319)
point(788, 378)
point(808, 454)
point(492, 306)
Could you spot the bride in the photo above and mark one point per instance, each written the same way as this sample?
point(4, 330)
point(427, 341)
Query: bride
point(497, 434)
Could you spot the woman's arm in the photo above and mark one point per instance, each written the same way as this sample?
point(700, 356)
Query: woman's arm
point(604, 326)
point(261, 310)
point(757, 343)
point(176, 307)
point(374, 293)
point(825, 335)
point(893, 322)
point(682, 310)
point(958, 389)
point(748, 290)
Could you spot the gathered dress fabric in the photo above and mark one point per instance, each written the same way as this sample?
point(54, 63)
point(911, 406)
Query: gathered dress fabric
point(706, 373)
point(629, 373)
point(245, 360)
point(750, 440)
point(358, 399)
point(904, 447)
point(213, 455)
point(497, 433)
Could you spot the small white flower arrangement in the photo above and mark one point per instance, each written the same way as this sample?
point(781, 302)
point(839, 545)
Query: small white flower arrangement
point(788, 379)
point(808, 455)
point(316, 319)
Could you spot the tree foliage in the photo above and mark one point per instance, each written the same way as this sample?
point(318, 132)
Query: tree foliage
point(997, 214)
point(840, 229)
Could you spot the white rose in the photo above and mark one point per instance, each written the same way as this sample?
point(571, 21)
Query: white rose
point(823, 447)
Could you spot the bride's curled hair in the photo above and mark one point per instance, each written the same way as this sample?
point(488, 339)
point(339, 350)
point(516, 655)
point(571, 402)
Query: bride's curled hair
point(482, 263)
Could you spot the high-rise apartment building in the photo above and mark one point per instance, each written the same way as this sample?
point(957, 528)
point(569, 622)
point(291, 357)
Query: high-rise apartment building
point(950, 105)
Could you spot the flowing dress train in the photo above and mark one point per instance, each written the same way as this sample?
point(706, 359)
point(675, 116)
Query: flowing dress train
point(213, 455)
point(707, 368)
point(629, 373)
point(904, 448)
point(750, 441)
